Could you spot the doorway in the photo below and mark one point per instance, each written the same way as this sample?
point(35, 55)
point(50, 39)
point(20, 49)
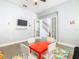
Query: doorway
point(49, 23)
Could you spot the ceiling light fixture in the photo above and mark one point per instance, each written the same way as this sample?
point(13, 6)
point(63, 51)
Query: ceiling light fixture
point(24, 5)
point(43, 0)
point(35, 1)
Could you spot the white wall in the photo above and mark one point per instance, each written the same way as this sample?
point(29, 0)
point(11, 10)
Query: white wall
point(9, 31)
point(68, 33)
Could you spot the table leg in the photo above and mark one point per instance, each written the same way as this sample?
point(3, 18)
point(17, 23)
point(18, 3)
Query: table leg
point(39, 57)
point(30, 50)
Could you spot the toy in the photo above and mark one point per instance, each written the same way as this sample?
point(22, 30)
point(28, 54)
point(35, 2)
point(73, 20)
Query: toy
point(61, 53)
point(17, 57)
point(1, 55)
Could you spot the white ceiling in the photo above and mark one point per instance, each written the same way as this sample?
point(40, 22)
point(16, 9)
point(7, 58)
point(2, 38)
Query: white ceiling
point(41, 6)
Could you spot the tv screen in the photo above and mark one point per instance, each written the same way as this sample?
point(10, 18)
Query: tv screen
point(22, 22)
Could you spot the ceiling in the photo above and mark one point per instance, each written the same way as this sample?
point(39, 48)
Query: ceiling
point(41, 6)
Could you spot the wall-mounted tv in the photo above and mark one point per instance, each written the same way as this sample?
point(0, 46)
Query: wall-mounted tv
point(21, 22)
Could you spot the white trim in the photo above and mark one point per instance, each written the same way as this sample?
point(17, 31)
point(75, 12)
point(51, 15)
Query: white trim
point(65, 44)
point(17, 42)
point(12, 43)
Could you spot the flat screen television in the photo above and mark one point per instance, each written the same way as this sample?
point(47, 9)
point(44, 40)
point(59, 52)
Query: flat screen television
point(22, 22)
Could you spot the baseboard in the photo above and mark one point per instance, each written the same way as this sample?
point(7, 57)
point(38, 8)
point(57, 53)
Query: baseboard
point(65, 44)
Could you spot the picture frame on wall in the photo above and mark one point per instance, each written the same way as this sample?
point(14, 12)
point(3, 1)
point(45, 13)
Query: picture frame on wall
point(21, 24)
